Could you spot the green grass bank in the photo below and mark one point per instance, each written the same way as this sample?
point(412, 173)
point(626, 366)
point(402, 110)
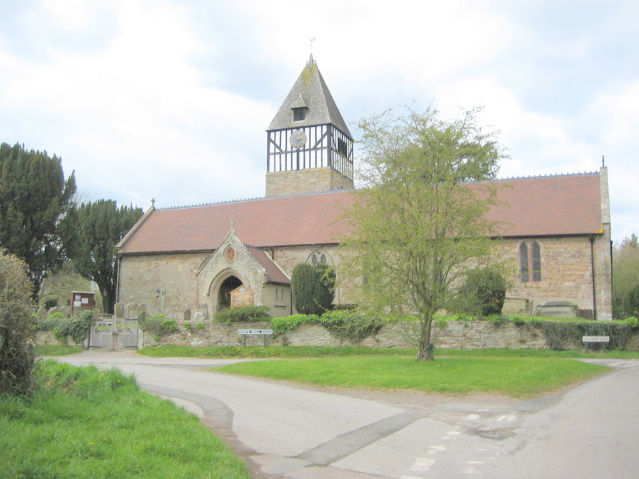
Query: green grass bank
point(85, 423)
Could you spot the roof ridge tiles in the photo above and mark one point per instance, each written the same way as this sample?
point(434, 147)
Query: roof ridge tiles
point(244, 200)
point(552, 175)
point(202, 205)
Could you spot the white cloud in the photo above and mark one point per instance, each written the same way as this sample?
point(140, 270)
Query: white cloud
point(170, 100)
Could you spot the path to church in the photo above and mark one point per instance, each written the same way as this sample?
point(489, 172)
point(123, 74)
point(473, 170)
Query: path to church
point(591, 431)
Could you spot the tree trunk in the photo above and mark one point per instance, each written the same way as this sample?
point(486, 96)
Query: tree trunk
point(107, 301)
point(425, 348)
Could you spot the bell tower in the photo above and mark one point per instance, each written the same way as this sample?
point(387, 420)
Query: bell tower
point(309, 147)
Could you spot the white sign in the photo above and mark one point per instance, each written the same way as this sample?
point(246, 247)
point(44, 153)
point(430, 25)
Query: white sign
point(596, 339)
point(254, 331)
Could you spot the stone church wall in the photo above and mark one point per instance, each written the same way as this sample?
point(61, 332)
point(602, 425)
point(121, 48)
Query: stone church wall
point(174, 275)
point(566, 273)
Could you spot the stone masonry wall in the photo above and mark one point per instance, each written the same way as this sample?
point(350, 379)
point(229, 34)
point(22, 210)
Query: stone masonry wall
point(175, 275)
point(454, 335)
point(565, 267)
point(565, 271)
point(314, 180)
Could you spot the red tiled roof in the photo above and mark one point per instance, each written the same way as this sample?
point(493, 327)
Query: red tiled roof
point(283, 221)
point(273, 271)
point(540, 206)
point(550, 206)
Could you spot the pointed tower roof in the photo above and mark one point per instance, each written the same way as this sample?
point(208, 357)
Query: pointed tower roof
point(310, 91)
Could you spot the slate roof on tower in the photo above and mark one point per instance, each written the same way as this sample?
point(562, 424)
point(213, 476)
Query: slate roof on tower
point(565, 205)
point(309, 91)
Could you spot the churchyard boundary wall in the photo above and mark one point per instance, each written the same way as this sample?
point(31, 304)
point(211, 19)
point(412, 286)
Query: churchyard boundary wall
point(445, 335)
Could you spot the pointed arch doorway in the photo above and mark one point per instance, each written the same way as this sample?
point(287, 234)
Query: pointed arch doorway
point(224, 294)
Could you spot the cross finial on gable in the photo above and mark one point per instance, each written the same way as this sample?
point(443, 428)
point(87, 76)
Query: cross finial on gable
point(233, 226)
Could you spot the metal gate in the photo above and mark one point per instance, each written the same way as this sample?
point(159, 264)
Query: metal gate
point(112, 333)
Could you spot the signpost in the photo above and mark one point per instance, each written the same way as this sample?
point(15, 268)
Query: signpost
point(596, 339)
point(260, 332)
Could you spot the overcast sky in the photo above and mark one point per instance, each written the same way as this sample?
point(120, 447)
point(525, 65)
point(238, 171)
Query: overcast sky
point(170, 99)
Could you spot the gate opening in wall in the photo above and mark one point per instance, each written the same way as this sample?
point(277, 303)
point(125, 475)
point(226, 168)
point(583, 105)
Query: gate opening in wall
point(112, 333)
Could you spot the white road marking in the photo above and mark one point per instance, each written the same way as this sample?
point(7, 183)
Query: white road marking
point(423, 464)
point(435, 449)
point(506, 418)
point(471, 470)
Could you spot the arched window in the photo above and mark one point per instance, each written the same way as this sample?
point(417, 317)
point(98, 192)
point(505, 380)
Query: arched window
point(536, 262)
point(523, 262)
point(530, 262)
point(317, 257)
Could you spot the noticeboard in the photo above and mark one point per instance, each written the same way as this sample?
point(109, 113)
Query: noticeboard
point(81, 300)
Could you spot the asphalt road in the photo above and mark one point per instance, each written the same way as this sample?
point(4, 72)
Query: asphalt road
point(591, 431)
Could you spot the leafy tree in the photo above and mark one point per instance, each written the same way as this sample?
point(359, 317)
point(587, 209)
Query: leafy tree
point(16, 355)
point(34, 200)
point(99, 226)
point(56, 288)
point(417, 226)
point(625, 283)
point(313, 288)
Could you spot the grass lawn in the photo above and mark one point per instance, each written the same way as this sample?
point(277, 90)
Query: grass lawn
point(512, 376)
point(52, 350)
point(85, 423)
point(513, 372)
point(270, 352)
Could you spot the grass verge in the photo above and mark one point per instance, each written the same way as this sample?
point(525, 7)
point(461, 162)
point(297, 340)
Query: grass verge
point(53, 350)
point(512, 376)
point(320, 352)
point(270, 352)
point(86, 423)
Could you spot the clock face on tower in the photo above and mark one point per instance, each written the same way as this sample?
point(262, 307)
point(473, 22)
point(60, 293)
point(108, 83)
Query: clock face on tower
point(298, 139)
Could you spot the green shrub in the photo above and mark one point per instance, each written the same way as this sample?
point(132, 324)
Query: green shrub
point(483, 293)
point(632, 322)
point(289, 323)
point(17, 355)
point(199, 325)
point(158, 325)
point(243, 313)
point(63, 327)
point(76, 327)
point(560, 335)
point(313, 288)
point(351, 325)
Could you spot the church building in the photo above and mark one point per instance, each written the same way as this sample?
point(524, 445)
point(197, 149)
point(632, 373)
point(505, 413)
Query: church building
point(190, 262)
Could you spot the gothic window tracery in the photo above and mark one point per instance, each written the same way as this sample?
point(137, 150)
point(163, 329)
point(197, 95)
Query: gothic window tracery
point(317, 257)
point(530, 262)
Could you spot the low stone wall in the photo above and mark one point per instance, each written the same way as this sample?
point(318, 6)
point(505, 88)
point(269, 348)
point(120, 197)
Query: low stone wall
point(452, 335)
point(44, 338)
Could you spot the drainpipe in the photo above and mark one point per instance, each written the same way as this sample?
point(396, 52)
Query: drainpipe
point(594, 284)
point(117, 284)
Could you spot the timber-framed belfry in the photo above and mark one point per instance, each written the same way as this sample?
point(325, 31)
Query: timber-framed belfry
point(190, 262)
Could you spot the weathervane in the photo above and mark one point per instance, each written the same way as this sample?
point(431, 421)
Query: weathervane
point(310, 60)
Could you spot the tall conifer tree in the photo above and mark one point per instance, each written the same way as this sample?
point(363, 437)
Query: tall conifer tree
point(34, 201)
point(99, 226)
